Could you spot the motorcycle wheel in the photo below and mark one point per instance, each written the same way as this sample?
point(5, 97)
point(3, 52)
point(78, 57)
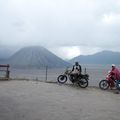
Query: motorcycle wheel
point(83, 83)
point(62, 79)
point(103, 84)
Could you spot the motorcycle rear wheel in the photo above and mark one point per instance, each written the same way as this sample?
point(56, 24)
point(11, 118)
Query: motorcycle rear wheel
point(62, 79)
point(83, 83)
point(103, 84)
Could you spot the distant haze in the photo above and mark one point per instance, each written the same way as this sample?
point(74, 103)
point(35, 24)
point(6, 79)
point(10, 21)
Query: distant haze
point(68, 28)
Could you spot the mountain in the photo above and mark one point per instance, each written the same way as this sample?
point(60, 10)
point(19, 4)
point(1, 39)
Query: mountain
point(6, 52)
point(104, 57)
point(2, 60)
point(35, 57)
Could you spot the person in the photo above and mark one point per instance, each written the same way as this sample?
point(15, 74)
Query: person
point(76, 71)
point(111, 79)
point(116, 72)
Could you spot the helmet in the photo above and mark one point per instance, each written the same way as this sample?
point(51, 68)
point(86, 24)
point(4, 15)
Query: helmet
point(76, 63)
point(113, 65)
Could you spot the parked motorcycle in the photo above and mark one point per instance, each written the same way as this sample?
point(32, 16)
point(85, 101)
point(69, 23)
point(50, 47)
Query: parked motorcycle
point(81, 80)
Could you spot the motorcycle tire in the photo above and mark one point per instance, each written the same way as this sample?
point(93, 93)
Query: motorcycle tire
point(62, 79)
point(83, 83)
point(103, 84)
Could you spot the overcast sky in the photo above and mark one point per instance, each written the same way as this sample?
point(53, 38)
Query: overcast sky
point(66, 27)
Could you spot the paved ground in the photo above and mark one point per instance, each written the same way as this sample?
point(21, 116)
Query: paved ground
point(27, 100)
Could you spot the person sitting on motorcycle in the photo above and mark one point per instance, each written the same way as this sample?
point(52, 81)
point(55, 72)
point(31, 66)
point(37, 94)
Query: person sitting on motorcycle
point(76, 71)
point(111, 79)
point(116, 71)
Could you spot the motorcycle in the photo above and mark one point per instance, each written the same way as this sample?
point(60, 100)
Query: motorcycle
point(81, 80)
point(105, 84)
point(109, 82)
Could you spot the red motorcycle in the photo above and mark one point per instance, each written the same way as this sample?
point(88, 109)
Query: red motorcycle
point(109, 82)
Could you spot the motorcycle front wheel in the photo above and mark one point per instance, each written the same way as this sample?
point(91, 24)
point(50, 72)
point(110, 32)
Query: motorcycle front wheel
point(103, 84)
point(83, 83)
point(62, 79)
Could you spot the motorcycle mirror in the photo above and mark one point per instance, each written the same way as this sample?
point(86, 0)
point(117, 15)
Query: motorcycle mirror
point(85, 71)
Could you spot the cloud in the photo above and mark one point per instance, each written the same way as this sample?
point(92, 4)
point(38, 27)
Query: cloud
point(66, 52)
point(58, 23)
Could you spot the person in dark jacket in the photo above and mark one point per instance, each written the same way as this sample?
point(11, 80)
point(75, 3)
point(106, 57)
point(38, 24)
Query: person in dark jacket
point(76, 71)
point(77, 68)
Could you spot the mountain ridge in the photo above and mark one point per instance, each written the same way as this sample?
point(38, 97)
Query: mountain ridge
point(35, 57)
point(103, 57)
